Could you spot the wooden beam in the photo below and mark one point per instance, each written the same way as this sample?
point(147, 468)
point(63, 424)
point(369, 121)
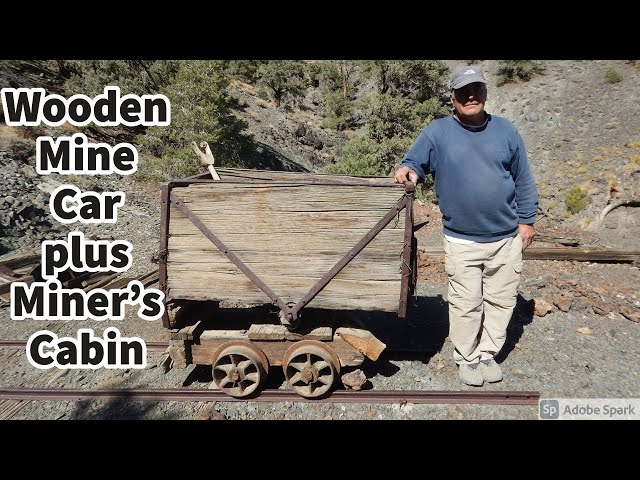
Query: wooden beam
point(5, 288)
point(203, 353)
point(581, 254)
point(268, 332)
point(362, 340)
point(20, 260)
point(568, 242)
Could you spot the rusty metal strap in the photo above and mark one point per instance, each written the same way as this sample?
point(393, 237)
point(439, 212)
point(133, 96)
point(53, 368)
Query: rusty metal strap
point(230, 255)
point(344, 261)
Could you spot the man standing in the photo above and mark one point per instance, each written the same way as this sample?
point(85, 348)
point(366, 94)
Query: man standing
point(488, 201)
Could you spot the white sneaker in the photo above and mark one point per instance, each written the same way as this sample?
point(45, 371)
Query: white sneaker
point(470, 374)
point(491, 371)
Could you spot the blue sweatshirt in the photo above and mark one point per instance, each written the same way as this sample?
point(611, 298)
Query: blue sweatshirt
point(482, 177)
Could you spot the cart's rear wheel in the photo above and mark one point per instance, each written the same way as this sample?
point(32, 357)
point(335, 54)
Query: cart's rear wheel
point(239, 368)
point(311, 368)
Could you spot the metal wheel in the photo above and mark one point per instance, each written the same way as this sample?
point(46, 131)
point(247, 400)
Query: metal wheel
point(310, 367)
point(239, 368)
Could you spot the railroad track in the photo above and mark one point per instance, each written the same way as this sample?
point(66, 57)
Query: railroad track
point(274, 395)
point(268, 395)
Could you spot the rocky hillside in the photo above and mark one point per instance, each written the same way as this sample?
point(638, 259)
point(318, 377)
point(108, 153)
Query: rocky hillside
point(580, 130)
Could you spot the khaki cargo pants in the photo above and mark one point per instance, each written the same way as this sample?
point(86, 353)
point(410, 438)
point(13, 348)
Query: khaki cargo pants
point(483, 284)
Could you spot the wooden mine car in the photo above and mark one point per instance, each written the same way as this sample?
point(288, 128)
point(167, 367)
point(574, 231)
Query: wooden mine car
point(263, 268)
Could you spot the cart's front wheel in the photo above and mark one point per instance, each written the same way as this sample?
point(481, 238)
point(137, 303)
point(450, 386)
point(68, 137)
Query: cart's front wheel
point(239, 368)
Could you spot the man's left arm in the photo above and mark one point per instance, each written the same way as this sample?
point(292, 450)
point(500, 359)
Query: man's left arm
point(526, 193)
point(526, 232)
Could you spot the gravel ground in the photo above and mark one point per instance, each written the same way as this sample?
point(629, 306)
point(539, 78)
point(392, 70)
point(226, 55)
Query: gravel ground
point(545, 354)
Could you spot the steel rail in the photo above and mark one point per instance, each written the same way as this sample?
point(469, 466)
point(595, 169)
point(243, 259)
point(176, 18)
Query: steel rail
point(274, 395)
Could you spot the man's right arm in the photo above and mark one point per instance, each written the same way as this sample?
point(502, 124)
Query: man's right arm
point(416, 161)
point(406, 174)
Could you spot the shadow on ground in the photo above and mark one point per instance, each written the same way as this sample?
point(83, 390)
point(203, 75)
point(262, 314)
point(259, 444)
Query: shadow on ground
point(522, 316)
point(423, 333)
point(418, 337)
point(120, 408)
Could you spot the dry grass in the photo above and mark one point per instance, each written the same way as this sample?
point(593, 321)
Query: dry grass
point(10, 134)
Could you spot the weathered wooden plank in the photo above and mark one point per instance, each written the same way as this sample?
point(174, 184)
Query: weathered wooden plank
point(119, 283)
point(5, 288)
point(337, 242)
point(146, 279)
point(179, 352)
point(362, 271)
point(209, 336)
point(6, 274)
point(100, 281)
point(282, 228)
point(563, 253)
point(322, 334)
point(21, 259)
point(267, 332)
point(227, 222)
point(150, 279)
point(569, 242)
point(214, 210)
point(581, 254)
point(324, 255)
point(380, 268)
point(263, 198)
point(293, 182)
point(230, 174)
point(308, 238)
point(212, 256)
point(203, 353)
point(332, 300)
point(188, 333)
point(381, 299)
point(362, 340)
point(291, 285)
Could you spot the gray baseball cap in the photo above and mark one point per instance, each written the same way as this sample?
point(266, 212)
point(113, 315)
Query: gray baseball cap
point(465, 75)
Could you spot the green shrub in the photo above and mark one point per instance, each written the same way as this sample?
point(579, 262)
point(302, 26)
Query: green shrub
point(360, 156)
point(576, 200)
point(179, 163)
point(338, 111)
point(200, 111)
point(417, 80)
point(512, 70)
point(426, 191)
point(245, 70)
point(139, 77)
point(262, 93)
point(312, 72)
point(612, 76)
point(283, 79)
